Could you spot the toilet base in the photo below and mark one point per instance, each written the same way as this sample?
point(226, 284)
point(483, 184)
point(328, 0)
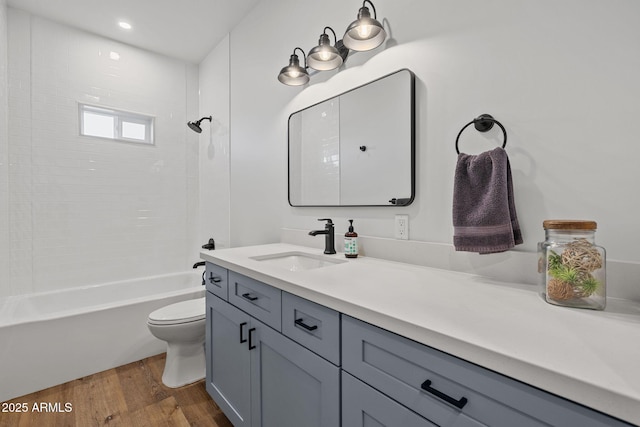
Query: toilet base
point(185, 364)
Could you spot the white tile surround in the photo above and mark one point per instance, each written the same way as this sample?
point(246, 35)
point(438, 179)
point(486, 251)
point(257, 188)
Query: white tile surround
point(84, 210)
point(214, 145)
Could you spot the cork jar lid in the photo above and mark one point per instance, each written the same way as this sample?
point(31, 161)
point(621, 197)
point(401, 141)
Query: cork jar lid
point(569, 224)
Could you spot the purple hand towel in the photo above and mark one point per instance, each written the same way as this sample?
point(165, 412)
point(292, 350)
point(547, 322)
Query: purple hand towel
point(484, 213)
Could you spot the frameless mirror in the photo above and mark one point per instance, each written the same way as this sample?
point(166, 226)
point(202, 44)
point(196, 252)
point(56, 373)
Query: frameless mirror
point(356, 149)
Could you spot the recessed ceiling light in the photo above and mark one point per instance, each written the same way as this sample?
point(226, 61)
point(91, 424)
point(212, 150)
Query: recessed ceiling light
point(124, 25)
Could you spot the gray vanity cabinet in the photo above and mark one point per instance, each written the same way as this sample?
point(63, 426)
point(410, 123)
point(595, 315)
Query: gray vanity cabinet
point(259, 377)
point(260, 300)
point(277, 360)
point(228, 357)
point(216, 280)
point(363, 406)
point(448, 391)
point(293, 386)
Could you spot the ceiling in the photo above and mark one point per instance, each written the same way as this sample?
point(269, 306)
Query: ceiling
point(184, 29)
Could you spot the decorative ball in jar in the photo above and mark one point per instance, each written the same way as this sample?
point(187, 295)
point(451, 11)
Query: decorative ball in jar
point(571, 266)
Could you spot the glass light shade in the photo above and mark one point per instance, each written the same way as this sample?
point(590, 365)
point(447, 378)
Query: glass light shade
point(365, 33)
point(293, 74)
point(324, 56)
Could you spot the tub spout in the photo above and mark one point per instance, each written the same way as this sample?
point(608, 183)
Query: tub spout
point(198, 264)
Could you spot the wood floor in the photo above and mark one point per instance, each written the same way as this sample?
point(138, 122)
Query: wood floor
point(130, 396)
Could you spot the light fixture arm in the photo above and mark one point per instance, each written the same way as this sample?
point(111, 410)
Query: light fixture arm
point(335, 38)
point(372, 7)
point(304, 56)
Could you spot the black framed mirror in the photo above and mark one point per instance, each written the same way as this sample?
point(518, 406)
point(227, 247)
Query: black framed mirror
point(357, 148)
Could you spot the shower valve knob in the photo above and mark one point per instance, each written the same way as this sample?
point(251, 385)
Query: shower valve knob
point(209, 246)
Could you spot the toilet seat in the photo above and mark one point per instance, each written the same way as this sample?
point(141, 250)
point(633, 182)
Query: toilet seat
point(180, 312)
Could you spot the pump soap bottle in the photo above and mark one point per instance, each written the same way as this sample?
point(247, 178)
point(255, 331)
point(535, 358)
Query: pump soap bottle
point(351, 242)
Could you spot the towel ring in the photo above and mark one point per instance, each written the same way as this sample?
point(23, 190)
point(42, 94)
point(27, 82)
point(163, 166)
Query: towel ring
point(483, 123)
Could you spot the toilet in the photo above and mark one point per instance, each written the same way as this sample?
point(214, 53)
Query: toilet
point(182, 326)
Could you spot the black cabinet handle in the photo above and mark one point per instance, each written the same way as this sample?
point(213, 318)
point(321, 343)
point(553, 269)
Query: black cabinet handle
point(242, 339)
point(251, 346)
point(426, 386)
point(301, 323)
point(215, 279)
point(248, 296)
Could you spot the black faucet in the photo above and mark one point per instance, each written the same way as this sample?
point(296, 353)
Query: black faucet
point(329, 236)
point(200, 264)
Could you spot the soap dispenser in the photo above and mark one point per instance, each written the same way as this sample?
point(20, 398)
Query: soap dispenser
point(351, 242)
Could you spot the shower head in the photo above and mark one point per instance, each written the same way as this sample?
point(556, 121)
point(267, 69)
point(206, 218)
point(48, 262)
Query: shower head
point(195, 126)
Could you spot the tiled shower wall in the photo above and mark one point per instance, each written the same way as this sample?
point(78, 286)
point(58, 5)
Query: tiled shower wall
point(86, 210)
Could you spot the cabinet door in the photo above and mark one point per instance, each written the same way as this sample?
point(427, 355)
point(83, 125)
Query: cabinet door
point(362, 406)
point(291, 386)
point(228, 360)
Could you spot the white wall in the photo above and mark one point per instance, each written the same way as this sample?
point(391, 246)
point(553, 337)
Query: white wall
point(214, 147)
point(560, 76)
point(87, 210)
point(4, 151)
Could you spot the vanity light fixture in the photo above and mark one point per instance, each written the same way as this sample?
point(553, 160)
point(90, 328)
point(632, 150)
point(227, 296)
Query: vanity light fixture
point(325, 57)
point(365, 33)
point(293, 74)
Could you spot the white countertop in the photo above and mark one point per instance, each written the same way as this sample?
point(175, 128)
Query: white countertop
point(590, 357)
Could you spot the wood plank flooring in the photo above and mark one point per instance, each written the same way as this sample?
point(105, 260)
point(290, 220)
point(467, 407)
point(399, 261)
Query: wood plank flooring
point(127, 396)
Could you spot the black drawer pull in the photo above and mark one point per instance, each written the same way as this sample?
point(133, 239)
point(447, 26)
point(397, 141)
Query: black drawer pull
point(248, 296)
point(251, 346)
point(426, 386)
point(300, 322)
point(214, 279)
point(242, 339)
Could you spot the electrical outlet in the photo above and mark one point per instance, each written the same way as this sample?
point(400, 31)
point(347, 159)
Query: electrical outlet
point(402, 227)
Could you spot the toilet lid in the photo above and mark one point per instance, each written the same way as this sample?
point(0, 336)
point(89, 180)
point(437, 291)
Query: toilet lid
point(180, 312)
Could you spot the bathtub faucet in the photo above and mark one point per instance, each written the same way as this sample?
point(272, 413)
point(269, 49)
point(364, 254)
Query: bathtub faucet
point(200, 264)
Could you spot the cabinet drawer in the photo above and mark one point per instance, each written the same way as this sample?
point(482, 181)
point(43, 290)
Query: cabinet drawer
point(260, 300)
point(312, 325)
point(446, 390)
point(216, 280)
point(363, 406)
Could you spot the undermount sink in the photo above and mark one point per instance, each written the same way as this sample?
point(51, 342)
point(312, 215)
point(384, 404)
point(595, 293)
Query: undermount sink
point(296, 261)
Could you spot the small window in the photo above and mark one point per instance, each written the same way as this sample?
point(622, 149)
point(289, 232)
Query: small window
point(115, 124)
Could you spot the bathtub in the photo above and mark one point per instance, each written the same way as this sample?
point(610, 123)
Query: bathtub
point(50, 338)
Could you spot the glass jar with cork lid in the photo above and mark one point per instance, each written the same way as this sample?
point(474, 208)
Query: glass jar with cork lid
point(572, 267)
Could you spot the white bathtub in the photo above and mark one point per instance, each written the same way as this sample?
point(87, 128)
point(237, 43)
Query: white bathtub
point(50, 338)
